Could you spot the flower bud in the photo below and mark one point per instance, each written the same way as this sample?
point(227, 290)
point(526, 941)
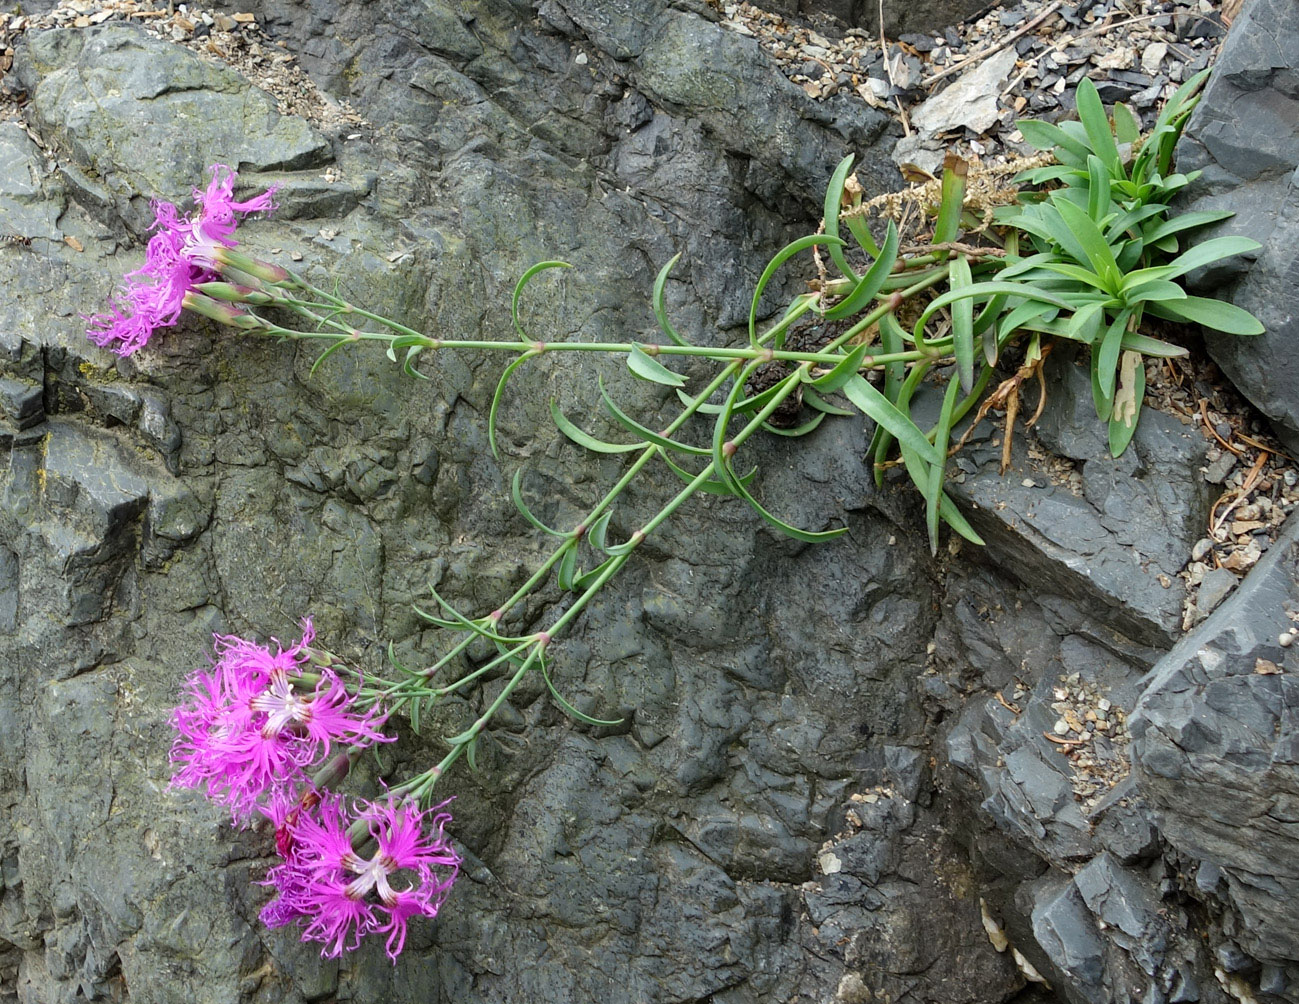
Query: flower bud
point(222, 313)
point(263, 270)
point(232, 292)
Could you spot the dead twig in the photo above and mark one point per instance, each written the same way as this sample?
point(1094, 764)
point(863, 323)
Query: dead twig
point(1251, 479)
point(1204, 417)
point(1006, 704)
point(982, 54)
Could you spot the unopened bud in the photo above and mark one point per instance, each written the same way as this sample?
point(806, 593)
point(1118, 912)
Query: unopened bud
point(263, 270)
point(334, 772)
point(222, 313)
point(233, 292)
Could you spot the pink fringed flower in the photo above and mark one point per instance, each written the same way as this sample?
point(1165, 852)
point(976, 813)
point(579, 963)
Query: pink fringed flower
point(246, 728)
point(179, 256)
point(338, 894)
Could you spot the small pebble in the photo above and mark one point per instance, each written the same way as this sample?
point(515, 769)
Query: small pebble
point(1285, 639)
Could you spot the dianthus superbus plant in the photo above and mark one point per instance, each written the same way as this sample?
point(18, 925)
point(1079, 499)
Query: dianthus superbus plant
point(1086, 252)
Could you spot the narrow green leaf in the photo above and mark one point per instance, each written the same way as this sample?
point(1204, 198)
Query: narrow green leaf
point(327, 353)
point(840, 374)
point(860, 230)
point(567, 569)
point(408, 365)
point(951, 200)
point(1044, 136)
point(585, 579)
point(814, 400)
point(959, 278)
point(1098, 188)
point(568, 709)
point(516, 491)
point(1085, 325)
point(524, 279)
point(1214, 314)
point(1127, 402)
point(660, 311)
point(1077, 272)
point(1098, 251)
point(782, 256)
point(584, 439)
point(648, 368)
point(982, 289)
point(1126, 127)
point(1104, 404)
point(599, 532)
point(1184, 221)
point(798, 430)
point(933, 489)
point(1156, 290)
point(810, 536)
point(471, 753)
point(712, 486)
point(1092, 115)
point(496, 400)
point(864, 292)
point(1107, 364)
point(647, 434)
point(883, 413)
point(833, 200)
point(1152, 347)
point(1208, 252)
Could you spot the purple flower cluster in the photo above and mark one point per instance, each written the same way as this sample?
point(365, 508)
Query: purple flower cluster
point(179, 256)
point(336, 892)
point(247, 733)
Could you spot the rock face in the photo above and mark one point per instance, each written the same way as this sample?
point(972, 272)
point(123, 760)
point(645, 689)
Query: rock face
point(1245, 137)
point(835, 781)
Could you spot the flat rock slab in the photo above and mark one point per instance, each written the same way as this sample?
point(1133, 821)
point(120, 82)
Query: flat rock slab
point(145, 118)
point(971, 102)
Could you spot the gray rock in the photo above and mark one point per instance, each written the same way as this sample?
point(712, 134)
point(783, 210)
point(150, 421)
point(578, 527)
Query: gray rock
point(970, 101)
point(129, 108)
point(1066, 932)
point(1244, 136)
point(899, 18)
point(1212, 755)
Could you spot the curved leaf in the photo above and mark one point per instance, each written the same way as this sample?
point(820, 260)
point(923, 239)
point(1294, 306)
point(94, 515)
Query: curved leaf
point(810, 536)
point(524, 279)
point(567, 708)
point(648, 368)
point(649, 435)
point(782, 256)
point(1127, 402)
point(814, 400)
point(496, 400)
point(660, 311)
point(516, 491)
point(933, 489)
point(871, 283)
point(1214, 314)
point(840, 374)
point(1092, 115)
point(833, 200)
point(962, 326)
point(800, 430)
point(712, 486)
point(584, 439)
point(880, 410)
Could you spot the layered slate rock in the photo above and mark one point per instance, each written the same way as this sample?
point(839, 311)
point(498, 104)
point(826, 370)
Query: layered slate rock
point(1244, 136)
point(117, 99)
point(1215, 749)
